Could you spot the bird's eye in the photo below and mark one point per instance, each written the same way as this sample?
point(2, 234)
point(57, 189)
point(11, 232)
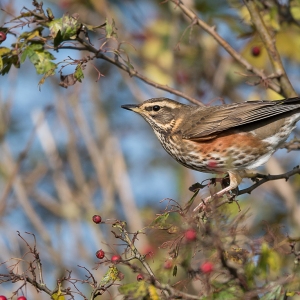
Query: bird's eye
point(156, 108)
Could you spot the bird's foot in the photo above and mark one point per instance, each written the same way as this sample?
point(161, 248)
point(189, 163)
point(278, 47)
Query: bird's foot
point(231, 196)
point(230, 186)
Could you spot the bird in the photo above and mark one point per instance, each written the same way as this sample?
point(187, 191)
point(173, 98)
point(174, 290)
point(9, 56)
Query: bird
point(230, 138)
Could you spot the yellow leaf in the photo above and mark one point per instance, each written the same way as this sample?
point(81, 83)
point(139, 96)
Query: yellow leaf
point(158, 75)
point(271, 95)
point(245, 15)
point(56, 296)
point(271, 19)
point(4, 51)
point(153, 292)
point(288, 43)
point(33, 34)
point(295, 11)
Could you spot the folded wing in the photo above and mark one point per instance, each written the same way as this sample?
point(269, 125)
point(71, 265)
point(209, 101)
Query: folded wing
point(220, 118)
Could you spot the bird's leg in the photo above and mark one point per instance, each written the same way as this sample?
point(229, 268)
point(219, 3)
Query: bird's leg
point(235, 179)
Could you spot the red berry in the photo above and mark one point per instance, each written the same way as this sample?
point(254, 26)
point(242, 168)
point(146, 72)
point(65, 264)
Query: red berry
point(148, 251)
point(140, 277)
point(2, 36)
point(97, 219)
point(207, 267)
point(115, 259)
point(22, 298)
point(255, 51)
point(100, 254)
point(2, 297)
point(168, 264)
point(190, 235)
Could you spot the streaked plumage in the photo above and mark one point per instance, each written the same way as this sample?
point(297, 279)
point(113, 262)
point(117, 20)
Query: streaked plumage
point(229, 138)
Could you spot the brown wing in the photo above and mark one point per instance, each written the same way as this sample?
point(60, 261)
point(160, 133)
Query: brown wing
point(220, 118)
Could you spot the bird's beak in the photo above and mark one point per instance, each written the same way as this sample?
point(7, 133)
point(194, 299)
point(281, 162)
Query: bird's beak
point(132, 107)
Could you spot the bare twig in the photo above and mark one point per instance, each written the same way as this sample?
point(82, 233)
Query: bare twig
point(236, 55)
point(133, 73)
point(266, 178)
point(269, 42)
point(292, 145)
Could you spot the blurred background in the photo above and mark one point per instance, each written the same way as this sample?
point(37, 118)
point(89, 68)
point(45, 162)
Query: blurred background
point(68, 154)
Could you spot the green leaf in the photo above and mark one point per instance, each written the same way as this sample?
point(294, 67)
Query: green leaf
point(174, 271)
point(29, 35)
point(8, 61)
point(78, 73)
point(269, 260)
point(47, 74)
point(92, 27)
point(49, 13)
point(232, 293)
point(41, 59)
point(110, 29)
point(63, 29)
point(160, 222)
point(136, 290)
point(42, 62)
point(58, 39)
point(276, 292)
point(30, 50)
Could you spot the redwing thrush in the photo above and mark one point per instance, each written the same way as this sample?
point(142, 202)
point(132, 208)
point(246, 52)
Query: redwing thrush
point(231, 138)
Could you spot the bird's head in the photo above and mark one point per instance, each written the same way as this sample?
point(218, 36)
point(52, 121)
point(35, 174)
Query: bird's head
point(161, 113)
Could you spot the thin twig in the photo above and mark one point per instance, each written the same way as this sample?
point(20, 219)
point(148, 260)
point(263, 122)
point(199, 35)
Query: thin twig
point(292, 145)
point(133, 73)
point(269, 42)
point(236, 55)
point(266, 178)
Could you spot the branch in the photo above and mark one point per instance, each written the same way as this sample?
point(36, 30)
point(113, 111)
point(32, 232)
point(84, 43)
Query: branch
point(13, 277)
point(166, 289)
point(175, 293)
point(270, 46)
point(294, 144)
point(266, 178)
point(134, 73)
point(236, 55)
